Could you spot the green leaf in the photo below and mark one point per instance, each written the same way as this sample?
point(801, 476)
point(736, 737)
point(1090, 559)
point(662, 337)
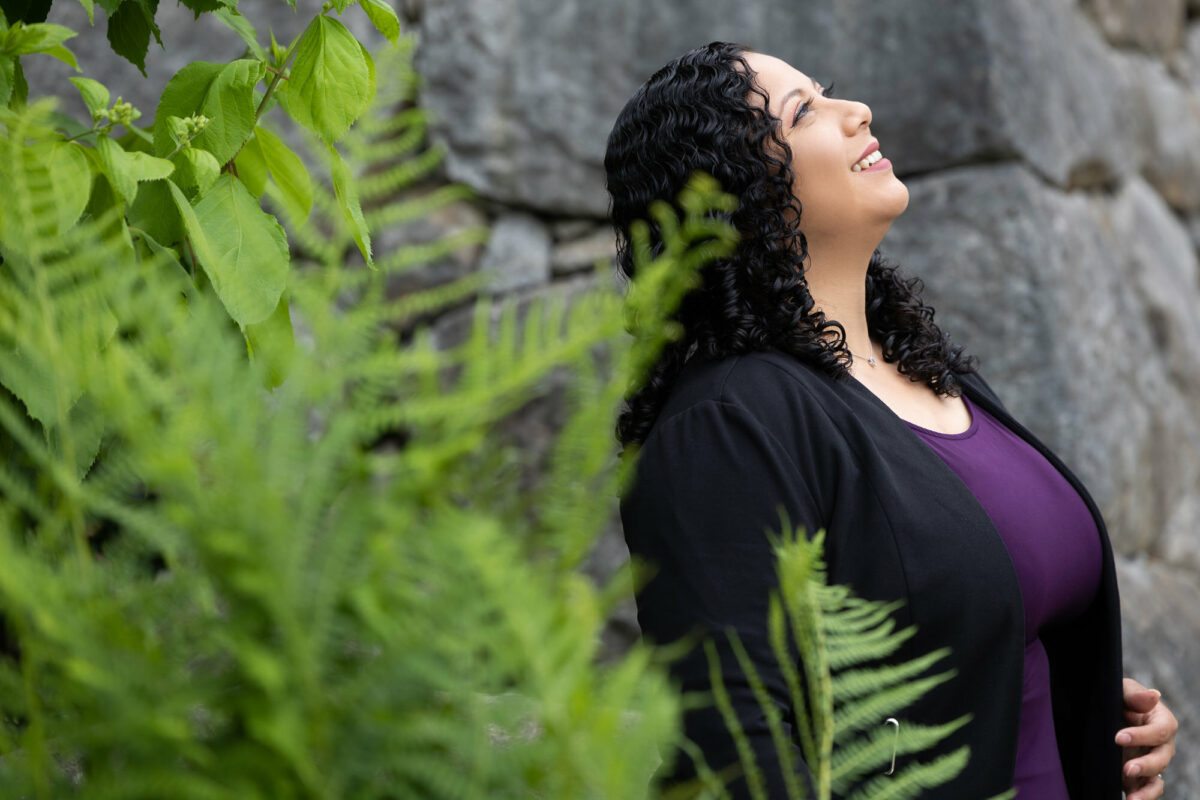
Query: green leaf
point(198, 7)
point(196, 168)
point(64, 55)
point(59, 181)
point(154, 212)
point(242, 27)
point(39, 38)
point(222, 92)
point(130, 28)
point(347, 197)
point(90, 8)
point(331, 82)
point(252, 167)
point(341, 5)
point(8, 76)
point(126, 169)
point(273, 344)
point(25, 10)
point(289, 174)
point(20, 91)
point(95, 94)
point(383, 17)
point(242, 249)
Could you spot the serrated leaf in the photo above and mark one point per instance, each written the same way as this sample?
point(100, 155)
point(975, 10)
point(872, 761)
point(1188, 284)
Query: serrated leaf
point(25, 11)
point(20, 90)
point(341, 5)
point(383, 17)
point(198, 7)
point(95, 94)
point(347, 197)
point(222, 92)
point(37, 38)
point(153, 211)
point(289, 174)
point(62, 54)
point(196, 168)
point(242, 249)
point(272, 343)
point(242, 27)
point(252, 167)
point(330, 84)
point(8, 76)
point(130, 28)
point(125, 169)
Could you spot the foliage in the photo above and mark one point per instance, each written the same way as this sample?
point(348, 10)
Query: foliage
point(301, 593)
point(845, 689)
point(175, 188)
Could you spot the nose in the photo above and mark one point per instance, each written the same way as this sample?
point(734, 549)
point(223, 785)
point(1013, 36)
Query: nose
point(857, 115)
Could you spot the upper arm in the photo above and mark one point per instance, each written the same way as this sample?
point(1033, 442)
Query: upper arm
point(711, 483)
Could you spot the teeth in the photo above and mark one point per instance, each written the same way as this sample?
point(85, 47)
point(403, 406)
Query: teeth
point(868, 161)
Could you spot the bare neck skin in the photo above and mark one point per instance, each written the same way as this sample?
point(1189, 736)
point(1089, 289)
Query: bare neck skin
point(836, 273)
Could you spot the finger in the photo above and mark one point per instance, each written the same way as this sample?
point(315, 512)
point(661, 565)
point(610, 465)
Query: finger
point(1150, 764)
point(1151, 791)
point(1142, 700)
point(1157, 729)
point(1130, 685)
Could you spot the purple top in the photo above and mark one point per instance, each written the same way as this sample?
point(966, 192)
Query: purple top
point(1055, 549)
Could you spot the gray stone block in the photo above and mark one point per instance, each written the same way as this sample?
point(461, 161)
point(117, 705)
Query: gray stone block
point(1045, 287)
point(1153, 26)
point(518, 253)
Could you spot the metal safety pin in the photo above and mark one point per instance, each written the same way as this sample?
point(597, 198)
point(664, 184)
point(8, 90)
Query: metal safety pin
point(895, 742)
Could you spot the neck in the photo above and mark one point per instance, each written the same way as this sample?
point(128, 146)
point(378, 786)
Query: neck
point(836, 275)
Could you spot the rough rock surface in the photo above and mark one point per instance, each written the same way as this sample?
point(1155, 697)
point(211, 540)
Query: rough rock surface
point(1154, 27)
point(1002, 255)
point(518, 253)
point(1161, 615)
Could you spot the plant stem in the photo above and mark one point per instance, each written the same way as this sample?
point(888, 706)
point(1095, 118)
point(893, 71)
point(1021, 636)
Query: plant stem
point(277, 74)
point(98, 129)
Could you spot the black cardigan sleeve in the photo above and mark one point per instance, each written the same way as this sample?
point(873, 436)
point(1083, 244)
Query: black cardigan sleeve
point(711, 481)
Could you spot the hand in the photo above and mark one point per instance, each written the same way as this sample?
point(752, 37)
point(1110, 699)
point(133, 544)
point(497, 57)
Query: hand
point(1148, 744)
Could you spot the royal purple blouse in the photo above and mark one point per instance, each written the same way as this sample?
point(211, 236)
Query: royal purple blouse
point(1055, 549)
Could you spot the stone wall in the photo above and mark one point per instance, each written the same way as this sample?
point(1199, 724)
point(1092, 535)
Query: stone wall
point(1052, 152)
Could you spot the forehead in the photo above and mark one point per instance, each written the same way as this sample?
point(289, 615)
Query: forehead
point(776, 77)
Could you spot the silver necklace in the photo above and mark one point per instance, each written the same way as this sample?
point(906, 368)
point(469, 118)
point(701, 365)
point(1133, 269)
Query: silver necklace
point(871, 362)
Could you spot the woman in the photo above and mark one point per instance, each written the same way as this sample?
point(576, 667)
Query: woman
point(811, 378)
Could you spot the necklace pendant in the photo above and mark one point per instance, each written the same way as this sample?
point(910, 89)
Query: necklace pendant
point(871, 361)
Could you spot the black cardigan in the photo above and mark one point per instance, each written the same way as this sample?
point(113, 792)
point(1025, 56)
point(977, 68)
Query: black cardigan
point(740, 438)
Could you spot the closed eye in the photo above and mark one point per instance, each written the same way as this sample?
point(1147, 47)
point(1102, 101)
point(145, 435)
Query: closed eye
point(804, 107)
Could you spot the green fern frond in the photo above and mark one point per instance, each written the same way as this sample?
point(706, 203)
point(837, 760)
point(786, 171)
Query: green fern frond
point(914, 779)
point(840, 693)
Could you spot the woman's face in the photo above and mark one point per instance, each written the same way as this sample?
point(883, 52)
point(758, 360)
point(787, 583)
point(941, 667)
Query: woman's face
point(828, 139)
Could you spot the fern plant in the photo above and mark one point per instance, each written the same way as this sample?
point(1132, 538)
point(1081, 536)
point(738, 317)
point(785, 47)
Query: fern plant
point(841, 691)
point(213, 590)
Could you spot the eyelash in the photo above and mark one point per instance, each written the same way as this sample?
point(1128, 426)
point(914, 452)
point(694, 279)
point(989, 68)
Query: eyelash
point(826, 92)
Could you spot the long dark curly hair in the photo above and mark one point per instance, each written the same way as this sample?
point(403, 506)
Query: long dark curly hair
point(695, 114)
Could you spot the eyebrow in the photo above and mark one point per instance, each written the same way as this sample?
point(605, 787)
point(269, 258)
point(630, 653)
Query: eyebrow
point(795, 91)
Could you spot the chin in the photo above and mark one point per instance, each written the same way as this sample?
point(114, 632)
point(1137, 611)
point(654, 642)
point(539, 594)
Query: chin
point(900, 201)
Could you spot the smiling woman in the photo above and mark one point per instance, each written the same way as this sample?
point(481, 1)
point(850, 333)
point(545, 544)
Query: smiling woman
point(810, 378)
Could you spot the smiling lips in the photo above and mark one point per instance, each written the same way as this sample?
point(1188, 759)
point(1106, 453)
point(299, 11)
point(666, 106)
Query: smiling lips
point(871, 160)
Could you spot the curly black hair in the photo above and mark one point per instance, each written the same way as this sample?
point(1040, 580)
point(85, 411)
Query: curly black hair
point(695, 114)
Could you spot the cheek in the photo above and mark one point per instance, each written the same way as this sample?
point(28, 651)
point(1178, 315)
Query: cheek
point(822, 182)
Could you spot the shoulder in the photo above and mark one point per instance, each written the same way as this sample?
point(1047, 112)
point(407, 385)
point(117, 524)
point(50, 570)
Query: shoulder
point(770, 387)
